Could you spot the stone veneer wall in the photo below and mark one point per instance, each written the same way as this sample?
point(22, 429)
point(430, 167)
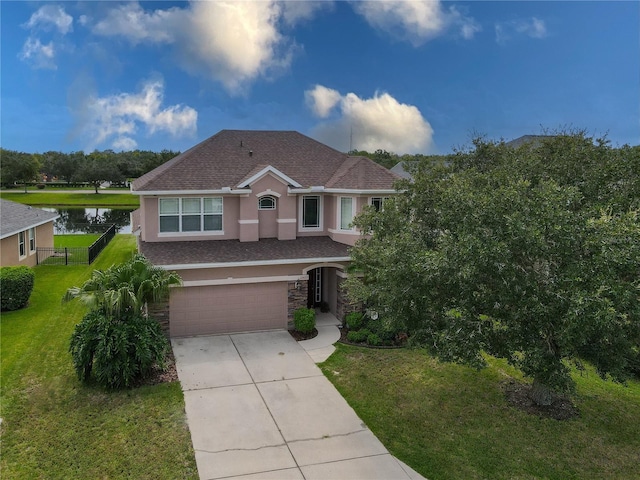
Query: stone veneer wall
point(297, 297)
point(160, 311)
point(343, 304)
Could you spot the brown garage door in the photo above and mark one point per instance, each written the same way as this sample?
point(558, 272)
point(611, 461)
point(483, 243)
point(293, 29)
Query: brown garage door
point(228, 308)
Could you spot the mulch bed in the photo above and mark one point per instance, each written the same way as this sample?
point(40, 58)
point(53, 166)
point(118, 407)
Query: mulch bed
point(298, 336)
point(158, 376)
point(518, 396)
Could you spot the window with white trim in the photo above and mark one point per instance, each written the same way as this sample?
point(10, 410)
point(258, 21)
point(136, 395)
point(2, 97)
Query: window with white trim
point(190, 214)
point(32, 240)
point(311, 211)
point(378, 202)
point(346, 213)
point(22, 247)
point(267, 203)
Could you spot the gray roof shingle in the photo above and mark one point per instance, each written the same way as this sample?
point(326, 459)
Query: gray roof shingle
point(16, 217)
point(232, 251)
point(231, 156)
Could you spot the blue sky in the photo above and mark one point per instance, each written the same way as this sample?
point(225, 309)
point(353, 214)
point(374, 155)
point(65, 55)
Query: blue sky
point(407, 77)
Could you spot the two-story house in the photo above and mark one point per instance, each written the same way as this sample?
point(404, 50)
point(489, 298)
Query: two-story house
point(258, 224)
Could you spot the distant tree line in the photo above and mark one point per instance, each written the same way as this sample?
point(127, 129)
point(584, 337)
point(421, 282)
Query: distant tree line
point(18, 168)
point(390, 159)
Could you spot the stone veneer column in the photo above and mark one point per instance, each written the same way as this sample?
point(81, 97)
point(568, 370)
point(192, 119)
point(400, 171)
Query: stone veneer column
point(297, 297)
point(343, 304)
point(160, 311)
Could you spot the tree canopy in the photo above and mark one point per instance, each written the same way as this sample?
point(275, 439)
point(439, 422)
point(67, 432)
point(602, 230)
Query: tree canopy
point(531, 254)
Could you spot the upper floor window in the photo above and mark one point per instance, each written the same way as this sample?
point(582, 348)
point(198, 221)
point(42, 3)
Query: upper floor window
point(378, 202)
point(32, 240)
point(311, 211)
point(267, 203)
point(22, 248)
point(191, 214)
point(346, 213)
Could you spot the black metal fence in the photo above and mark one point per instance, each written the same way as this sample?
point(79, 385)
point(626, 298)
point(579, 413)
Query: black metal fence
point(75, 255)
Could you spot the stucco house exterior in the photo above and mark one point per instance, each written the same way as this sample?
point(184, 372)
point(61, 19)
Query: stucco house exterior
point(258, 224)
point(22, 230)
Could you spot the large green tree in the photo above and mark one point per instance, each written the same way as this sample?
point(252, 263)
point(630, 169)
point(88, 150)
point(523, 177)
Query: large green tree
point(18, 167)
point(529, 254)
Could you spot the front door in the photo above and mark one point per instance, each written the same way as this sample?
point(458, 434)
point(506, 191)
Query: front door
point(314, 296)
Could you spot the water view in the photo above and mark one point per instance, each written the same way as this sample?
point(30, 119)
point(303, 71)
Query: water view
point(90, 220)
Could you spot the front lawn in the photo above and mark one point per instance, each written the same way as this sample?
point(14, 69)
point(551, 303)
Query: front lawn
point(55, 427)
point(66, 199)
point(453, 422)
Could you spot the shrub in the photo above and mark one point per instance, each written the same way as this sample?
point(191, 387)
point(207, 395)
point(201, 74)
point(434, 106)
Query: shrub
point(373, 339)
point(117, 352)
point(40, 186)
point(304, 320)
point(16, 285)
point(324, 307)
point(354, 320)
point(387, 330)
point(358, 336)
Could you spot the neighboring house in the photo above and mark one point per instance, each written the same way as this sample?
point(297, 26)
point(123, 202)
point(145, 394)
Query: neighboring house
point(258, 224)
point(400, 168)
point(535, 139)
point(22, 230)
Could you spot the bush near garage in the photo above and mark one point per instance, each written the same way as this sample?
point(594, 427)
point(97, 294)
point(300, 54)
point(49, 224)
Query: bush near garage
point(304, 320)
point(16, 285)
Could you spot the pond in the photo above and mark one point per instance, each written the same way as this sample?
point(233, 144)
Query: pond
point(90, 220)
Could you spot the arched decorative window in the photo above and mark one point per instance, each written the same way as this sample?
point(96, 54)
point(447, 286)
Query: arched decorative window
point(267, 203)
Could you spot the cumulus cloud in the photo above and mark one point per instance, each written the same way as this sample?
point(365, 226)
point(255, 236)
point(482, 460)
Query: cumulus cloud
point(232, 42)
point(415, 21)
point(532, 28)
point(116, 118)
point(321, 100)
point(380, 122)
point(37, 54)
point(51, 16)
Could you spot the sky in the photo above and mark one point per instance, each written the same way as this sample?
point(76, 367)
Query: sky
point(403, 76)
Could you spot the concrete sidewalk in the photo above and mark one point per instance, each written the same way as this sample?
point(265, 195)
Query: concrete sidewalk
point(259, 408)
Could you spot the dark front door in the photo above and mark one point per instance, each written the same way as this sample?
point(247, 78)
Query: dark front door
point(314, 294)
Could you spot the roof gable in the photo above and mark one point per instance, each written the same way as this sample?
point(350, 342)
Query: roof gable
point(264, 171)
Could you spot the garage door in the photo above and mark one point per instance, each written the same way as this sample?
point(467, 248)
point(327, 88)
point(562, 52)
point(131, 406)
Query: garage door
point(228, 308)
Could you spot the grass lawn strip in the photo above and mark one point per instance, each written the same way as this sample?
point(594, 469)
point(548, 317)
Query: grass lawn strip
point(452, 422)
point(80, 240)
point(73, 199)
point(55, 427)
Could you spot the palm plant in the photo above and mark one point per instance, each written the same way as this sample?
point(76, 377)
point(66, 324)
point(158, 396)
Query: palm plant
point(125, 289)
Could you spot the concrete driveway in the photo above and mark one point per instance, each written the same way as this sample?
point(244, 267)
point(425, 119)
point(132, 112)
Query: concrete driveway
point(259, 408)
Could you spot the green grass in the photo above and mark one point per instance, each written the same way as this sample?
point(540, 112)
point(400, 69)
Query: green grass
point(55, 427)
point(80, 240)
point(66, 199)
point(452, 422)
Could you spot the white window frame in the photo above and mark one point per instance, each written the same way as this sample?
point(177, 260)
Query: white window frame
point(32, 240)
point(180, 214)
point(267, 197)
point(339, 226)
point(320, 226)
point(22, 244)
point(382, 200)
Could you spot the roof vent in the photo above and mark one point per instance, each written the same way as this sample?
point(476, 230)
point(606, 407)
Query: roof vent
point(251, 153)
point(241, 144)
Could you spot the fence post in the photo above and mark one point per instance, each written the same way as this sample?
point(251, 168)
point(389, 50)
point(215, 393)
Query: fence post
point(66, 256)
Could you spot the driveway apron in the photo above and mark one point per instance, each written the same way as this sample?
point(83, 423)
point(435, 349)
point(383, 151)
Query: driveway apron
point(259, 408)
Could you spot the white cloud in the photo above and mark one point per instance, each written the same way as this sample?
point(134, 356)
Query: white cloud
point(321, 100)
point(532, 28)
point(415, 21)
point(49, 16)
point(120, 115)
point(230, 41)
point(380, 122)
point(37, 54)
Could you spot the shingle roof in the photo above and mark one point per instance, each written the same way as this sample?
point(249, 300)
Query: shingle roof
point(535, 139)
point(16, 217)
point(230, 156)
point(231, 251)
